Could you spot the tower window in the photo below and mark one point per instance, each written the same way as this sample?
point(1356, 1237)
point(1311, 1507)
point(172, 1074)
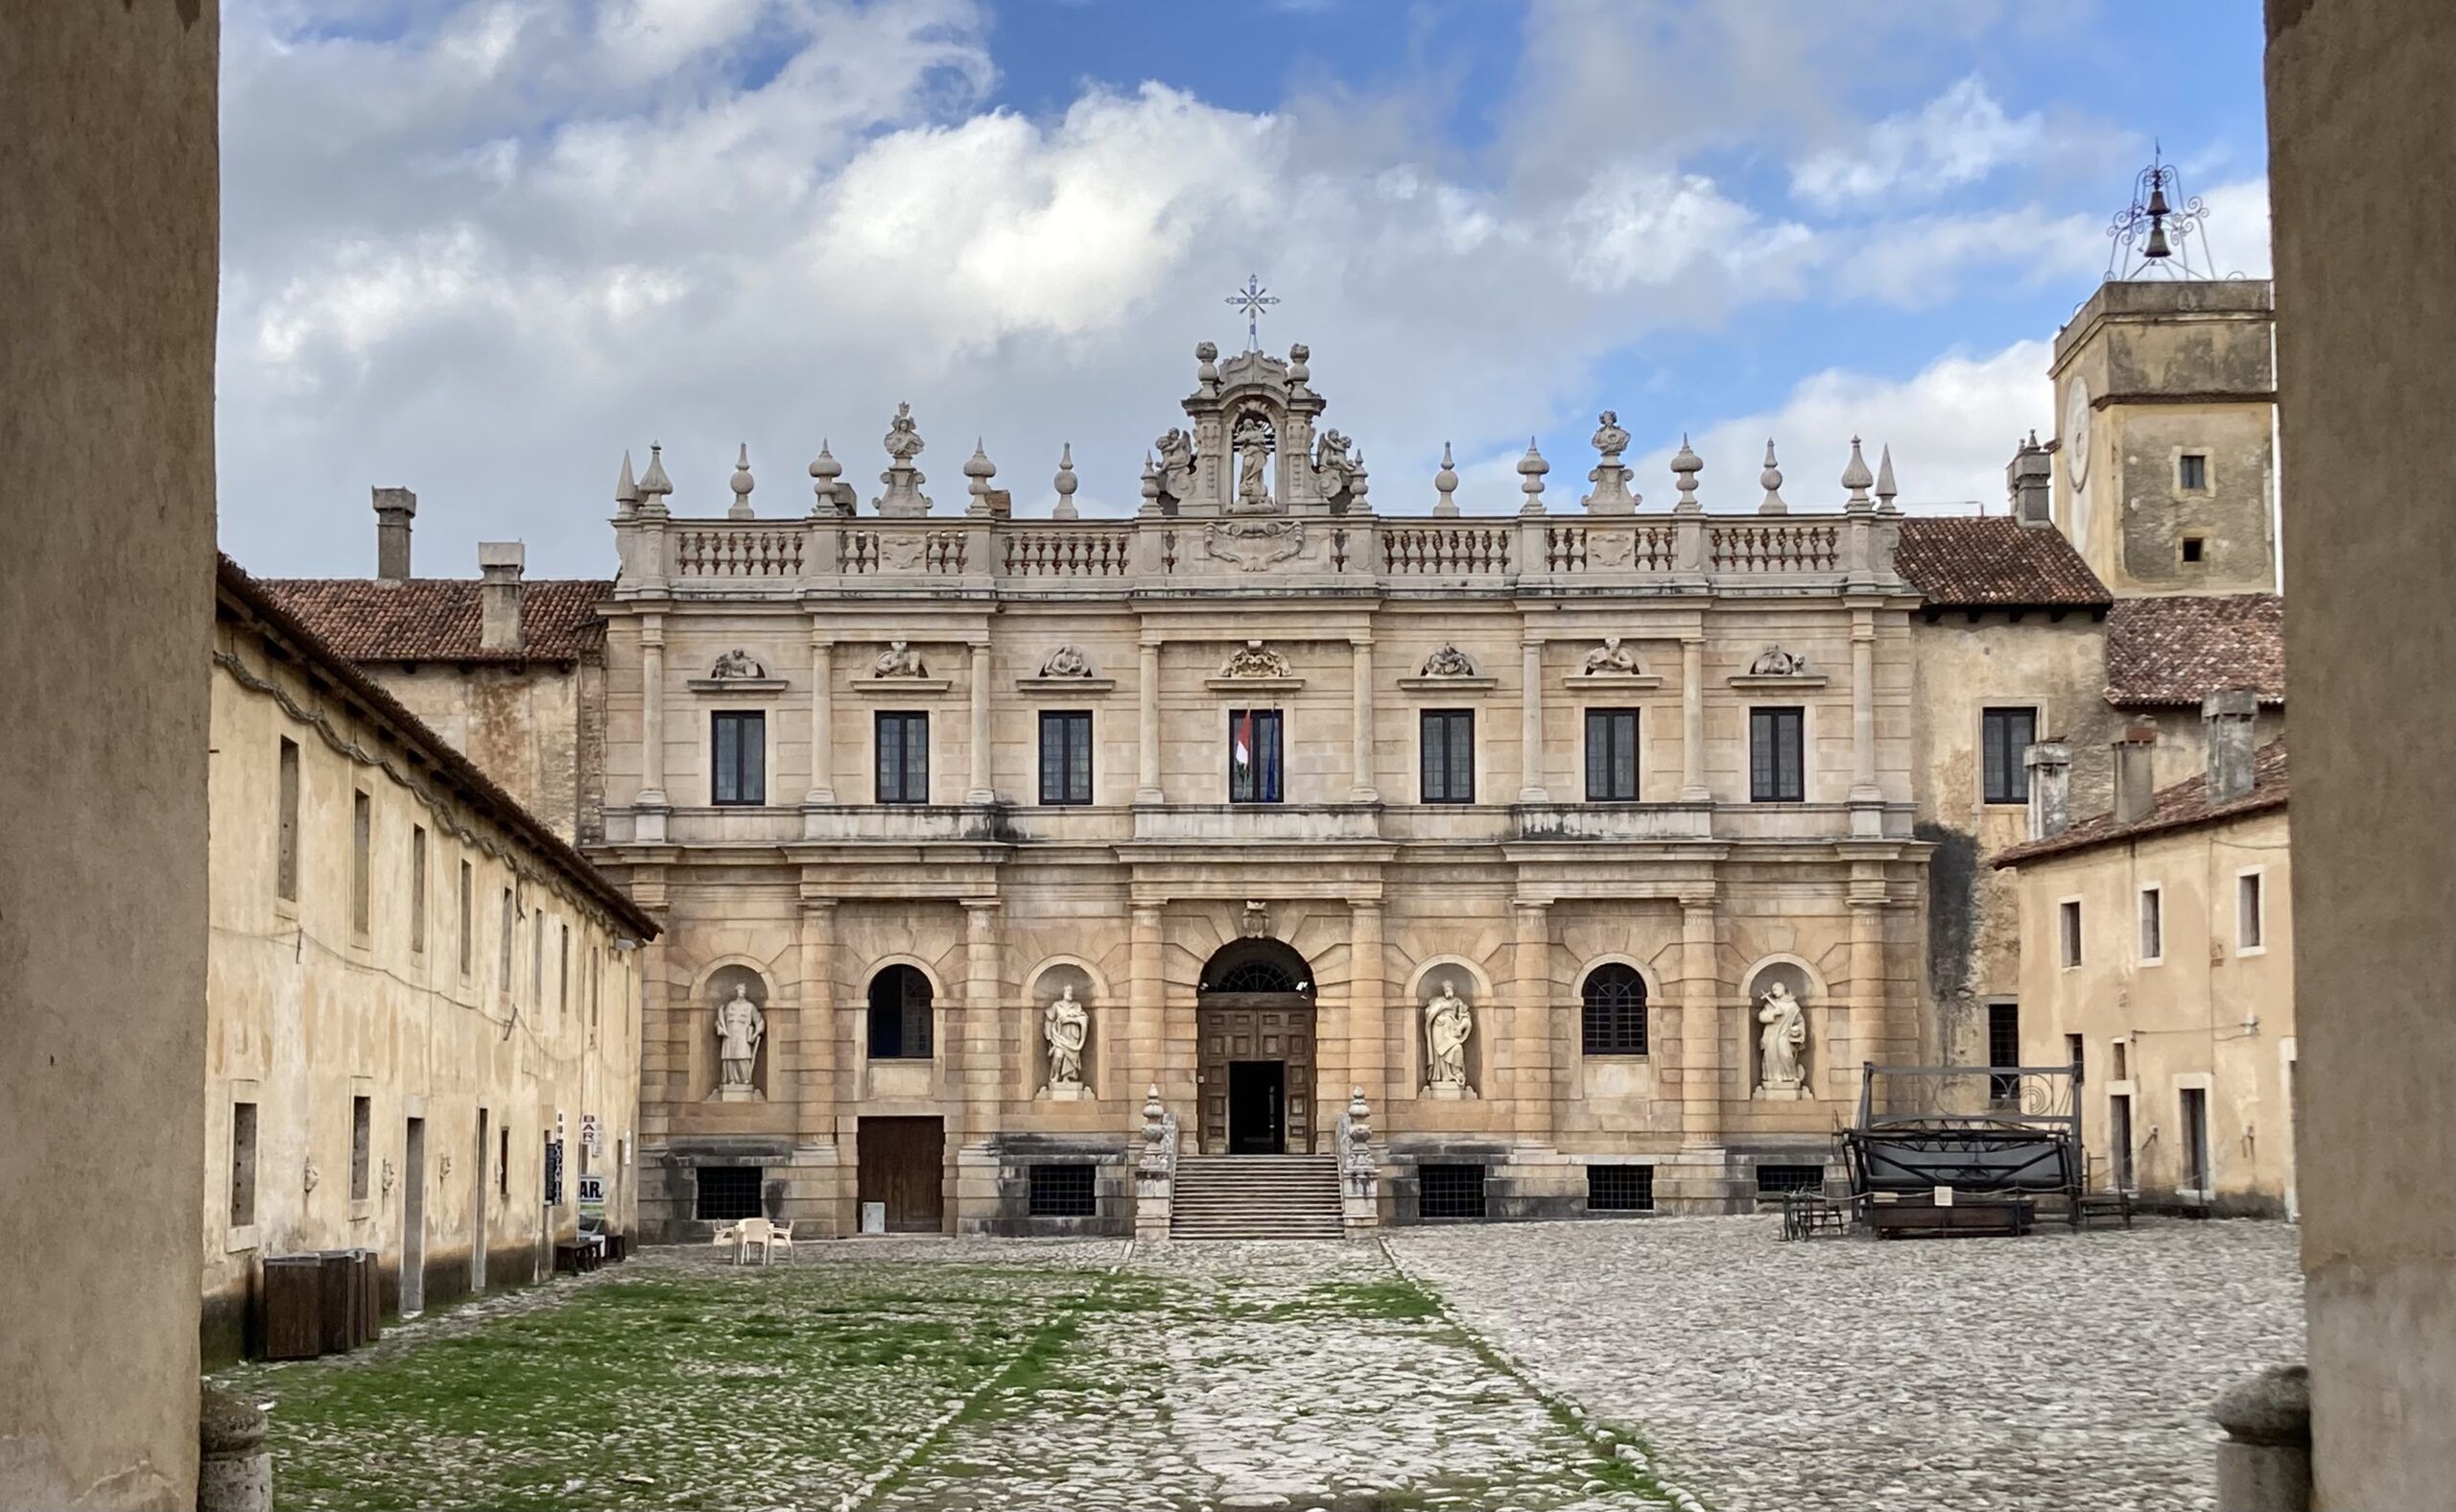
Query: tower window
point(2191, 471)
point(2193, 547)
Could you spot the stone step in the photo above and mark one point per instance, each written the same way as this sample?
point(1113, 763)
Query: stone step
point(1257, 1197)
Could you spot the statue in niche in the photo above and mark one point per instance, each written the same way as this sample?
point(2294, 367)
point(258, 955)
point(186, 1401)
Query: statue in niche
point(1254, 659)
point(1066, 662)
point(1333, 469)
point(1448, 662)
point(738, 1027)
point(903, 437)
point(1177, 463)
point(1783, 1040)
point(1448, 1023)
point(737, 663)
point(1775, 662)
point(1066, 1025)
point(900, 660)
point(1252, 441)
point(1610, 657)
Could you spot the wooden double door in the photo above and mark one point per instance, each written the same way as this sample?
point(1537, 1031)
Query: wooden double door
point(1256, 1076)
point(904, 1168)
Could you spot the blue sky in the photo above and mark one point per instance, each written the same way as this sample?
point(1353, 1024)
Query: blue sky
point(482, 247)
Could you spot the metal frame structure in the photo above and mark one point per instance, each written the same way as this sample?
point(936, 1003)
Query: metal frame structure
point(1983, 1130)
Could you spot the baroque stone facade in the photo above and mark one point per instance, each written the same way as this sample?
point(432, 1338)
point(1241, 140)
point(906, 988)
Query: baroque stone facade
point(1257, 773)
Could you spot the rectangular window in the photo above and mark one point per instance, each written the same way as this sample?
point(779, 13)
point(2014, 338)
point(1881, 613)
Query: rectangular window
point(417, 889)
point(1254, 755)
point(2120, 1140)
point(1063, 1192)
point(1449, 740)
point(2005, 734)
point(2068, 918)
point(1619, 1189)
point(729, 1194)
point(503, 1164)
point(361, 1134)
point(563, 972)
point(502, 954)
point(2195, 1150)
point(2153, 925)
point(739, 738)
point(904, 758)
point(1611, 755)
point(2072, 1047)
point(469, 921)
point(243, 1165)
point(2195, 549)
point(2119, 1056)
point(1776, 762)
point(2250, 923)
point(362, 861)
point(285, 879)
point(1450, 1192)
point(1065, 756)
point(2191, 472)
point(2003, 1050)
point(1772, 1181)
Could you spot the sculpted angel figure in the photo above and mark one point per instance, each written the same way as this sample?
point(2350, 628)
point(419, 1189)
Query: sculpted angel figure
point(1448, 1022)
point(1177, 463)
point(1611, 656)
point(1255, 660)
point(1066, 1026)
point(739, 1026)
point(1333, 469)
point(1775, 662)
point(1066, 662)
point(737, 663)
point(900, 660)
point(1448, 662)
point(1783, 1038)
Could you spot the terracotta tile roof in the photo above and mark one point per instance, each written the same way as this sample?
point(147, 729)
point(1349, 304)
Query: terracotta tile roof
point(245, 599)
point(2178, 807)
point(2167, 651)
point(435, 619)
point(1966, 562)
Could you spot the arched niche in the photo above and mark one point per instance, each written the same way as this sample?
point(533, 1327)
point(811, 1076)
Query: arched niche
point(1616, 995)
point(715, 989)
point(1801, 979)
point(1045, 986)
point(902, 1020)
point(1425, 985)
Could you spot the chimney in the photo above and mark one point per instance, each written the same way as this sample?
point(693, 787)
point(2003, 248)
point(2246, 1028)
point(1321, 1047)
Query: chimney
point(2028, 479)
point(2226, 719)
point(2136, 776)
point(498, 564)
point(394, 510)
point(2049, 764)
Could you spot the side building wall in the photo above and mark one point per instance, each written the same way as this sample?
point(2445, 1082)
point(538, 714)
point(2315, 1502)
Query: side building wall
point(537, 728)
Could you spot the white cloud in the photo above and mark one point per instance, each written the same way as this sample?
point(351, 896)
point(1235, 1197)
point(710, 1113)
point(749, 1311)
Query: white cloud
point(1952, 427)
point(2237, 228)
point(1955, 140)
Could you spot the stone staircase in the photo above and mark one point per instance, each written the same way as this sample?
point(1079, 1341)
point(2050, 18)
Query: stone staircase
point(1256, 1196)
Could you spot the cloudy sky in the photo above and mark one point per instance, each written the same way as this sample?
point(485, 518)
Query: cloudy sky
point(479, 247)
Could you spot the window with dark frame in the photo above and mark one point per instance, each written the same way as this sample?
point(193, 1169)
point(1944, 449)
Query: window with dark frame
point(285, 879)
point(1255, 755)
point(2153, 924)
point(1619, 1189)
point(2194, 548)
point(738, 739)
point(1773, 1181)
point(2003, 1048)
point(362, 1133)
point(1612, 1010)
point(503, 950)
point(1065, 756)
point(903, 757)
point(2067, 915)
point(1447, 741)
point(362, 862)
point(1066, 1191)
point(417, 889)
point(468, 920)
point(900, 1008)
point(1450, 1192)
point(2073, 1046)
point(2191, 472)
point(2005, 737)
point(1611, 755)
point(243, 1165)
point(502, 1162)
point(1777, 755)
point(729, 1194)
point(2250, 918)
point(2195, 1151)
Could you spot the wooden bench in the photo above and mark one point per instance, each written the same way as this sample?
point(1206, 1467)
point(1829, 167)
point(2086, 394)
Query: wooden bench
point(1964, 1218)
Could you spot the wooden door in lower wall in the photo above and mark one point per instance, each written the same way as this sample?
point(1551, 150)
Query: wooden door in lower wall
point(904, 1168)
point(1257, 1028)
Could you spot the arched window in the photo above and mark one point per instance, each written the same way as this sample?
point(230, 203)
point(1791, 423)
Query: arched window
point(1615, 999)
point(899, 1015)
point(1257, 966)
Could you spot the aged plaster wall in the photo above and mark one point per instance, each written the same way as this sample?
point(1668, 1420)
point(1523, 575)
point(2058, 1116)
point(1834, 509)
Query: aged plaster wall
point(306, 1013)
point(2206, 1011)
point(2362, 154)
point(537, 729)
point(107, 247)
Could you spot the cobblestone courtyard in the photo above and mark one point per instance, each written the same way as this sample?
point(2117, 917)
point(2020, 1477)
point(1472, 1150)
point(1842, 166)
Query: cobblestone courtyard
point(927, 1375)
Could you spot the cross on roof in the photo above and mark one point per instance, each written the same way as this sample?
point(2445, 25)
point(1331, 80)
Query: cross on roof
point(1253, 302)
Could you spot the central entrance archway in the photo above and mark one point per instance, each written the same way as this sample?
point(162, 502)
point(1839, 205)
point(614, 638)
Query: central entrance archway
point(1253, 1017)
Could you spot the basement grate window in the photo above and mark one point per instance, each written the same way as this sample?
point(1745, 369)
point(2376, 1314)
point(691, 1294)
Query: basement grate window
point(730, 1193)
point(1450, 1192)
point(1064, 1191)
point(1773, 1181)
point(1619, 1189)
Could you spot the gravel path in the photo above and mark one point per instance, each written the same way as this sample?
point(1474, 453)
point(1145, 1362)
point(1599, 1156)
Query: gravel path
point(2058, 1371)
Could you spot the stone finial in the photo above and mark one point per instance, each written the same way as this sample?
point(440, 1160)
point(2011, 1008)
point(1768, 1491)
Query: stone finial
point(742, 484)
point(1151, 484)
point(979, 469)
point(1532, 467)
point(1686, 465)
point(1771, 481)
point(1357, 484)
point(824, 470)
point(1065, 483)
point(1298, 373)
point(626, 489)
point(1857, 478)
point(1886, 490)
point(654, 484)
point(1445, 483)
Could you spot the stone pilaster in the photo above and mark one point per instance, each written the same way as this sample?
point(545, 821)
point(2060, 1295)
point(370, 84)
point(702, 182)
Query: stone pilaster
point(1865, 794)
point(823, 717)
point(982, 1088)
point(653, 713)
point(814, 1064)
point(1362, 789)
point(977, 671)
point(1530, 727)
point(1693, 720)
point(1145, 1012)
point(1368, 1039)
point(1531, 1082)
point(1146, 692)
point(1702, 1031)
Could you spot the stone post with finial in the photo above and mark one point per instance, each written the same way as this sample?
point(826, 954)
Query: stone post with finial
point(1533, 529)
point(1532, 468)
point(1888, 531)
point(1687, 515)
point(1445, 486)
point(655, 488)
point(1771, 481)
point(1858, 512)
point(1149, 525)
point(823, 536)
point(1610, 475)
point(1065, 483)
point(743, 482)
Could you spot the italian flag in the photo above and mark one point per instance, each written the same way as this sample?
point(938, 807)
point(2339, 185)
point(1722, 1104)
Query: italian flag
point(1241, 745)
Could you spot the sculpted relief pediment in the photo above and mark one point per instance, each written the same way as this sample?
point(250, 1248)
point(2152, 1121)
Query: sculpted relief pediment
point(1253, 545)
